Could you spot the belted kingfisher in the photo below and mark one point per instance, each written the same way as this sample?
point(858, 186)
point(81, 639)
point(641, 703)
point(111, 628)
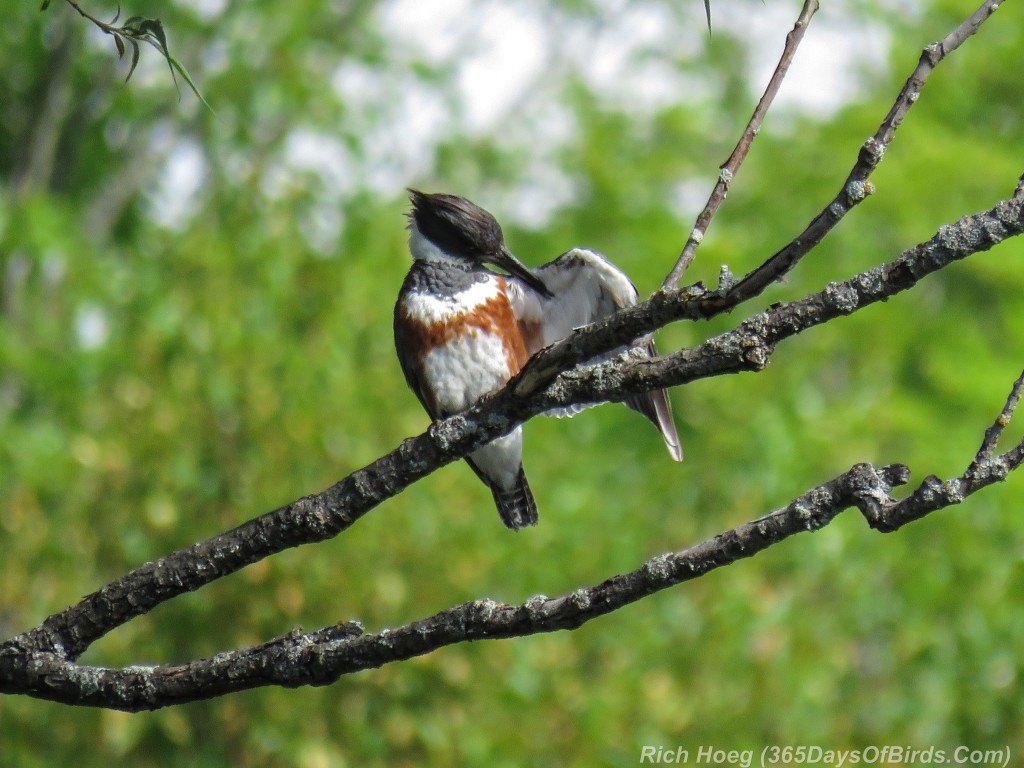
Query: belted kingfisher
point(463, 330)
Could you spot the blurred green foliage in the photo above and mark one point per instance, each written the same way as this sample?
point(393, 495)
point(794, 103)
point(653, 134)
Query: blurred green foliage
point(195, 328)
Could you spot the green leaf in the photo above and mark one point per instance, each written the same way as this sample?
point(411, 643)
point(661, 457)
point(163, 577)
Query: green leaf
point(176, 65)
point(156, 29)
point(46, 4)
point(135, 58)
point(152, 31)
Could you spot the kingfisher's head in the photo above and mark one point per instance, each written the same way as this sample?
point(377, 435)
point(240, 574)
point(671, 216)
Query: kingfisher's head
point(451, 228)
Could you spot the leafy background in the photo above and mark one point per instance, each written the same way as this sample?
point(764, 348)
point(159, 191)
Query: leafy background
point(195, 328)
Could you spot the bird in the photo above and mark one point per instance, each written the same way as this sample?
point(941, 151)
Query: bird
point(463, 330)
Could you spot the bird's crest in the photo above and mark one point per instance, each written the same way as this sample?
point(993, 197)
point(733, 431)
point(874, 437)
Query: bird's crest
point(456, 225)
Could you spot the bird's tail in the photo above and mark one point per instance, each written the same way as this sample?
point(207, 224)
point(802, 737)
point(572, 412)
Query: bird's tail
point(658, 409)
point(516, 505)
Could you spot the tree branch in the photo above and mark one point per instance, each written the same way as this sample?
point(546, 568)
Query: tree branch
point(749, 345)
point(854, 189)
point(728, 171)
point(64, 636)
point(138, 29)
point(323, 656)
point(857, 187)
point(576, 349)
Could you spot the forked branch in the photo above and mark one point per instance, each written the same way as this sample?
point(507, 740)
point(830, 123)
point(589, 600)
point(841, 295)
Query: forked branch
point(857, 187)
point(853, 191)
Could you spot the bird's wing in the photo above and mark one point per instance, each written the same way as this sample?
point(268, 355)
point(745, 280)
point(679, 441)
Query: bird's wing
point(586, 287)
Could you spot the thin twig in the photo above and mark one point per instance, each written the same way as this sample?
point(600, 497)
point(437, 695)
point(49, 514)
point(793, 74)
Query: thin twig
point(857, 187)
point(935, 494)
point(139, 29)
point(993, 433)
point(731, 167)
point(107, 28)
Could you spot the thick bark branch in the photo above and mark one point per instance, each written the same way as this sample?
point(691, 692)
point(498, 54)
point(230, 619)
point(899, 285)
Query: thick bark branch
point(748, 346)
point(66, 635)
point(323, 656)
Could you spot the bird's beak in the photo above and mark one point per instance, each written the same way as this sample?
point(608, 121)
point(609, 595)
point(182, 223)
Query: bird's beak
point(507, 261)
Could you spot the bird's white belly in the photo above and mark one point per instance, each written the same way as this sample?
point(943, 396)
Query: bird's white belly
point(500, 460)
point(465, 369)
